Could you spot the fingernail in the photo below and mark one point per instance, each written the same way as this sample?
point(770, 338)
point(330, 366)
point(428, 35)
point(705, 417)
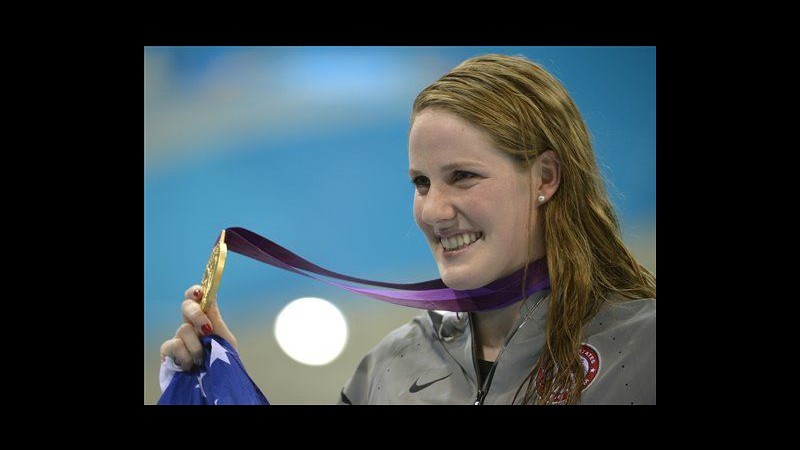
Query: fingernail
point(198, 362)
point(207, 329)
point(196, 293)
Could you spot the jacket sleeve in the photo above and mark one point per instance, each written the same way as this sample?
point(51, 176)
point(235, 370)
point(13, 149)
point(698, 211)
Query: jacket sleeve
point(357, 389)
point(643, 339)
point(624, 334)
point(638, 324)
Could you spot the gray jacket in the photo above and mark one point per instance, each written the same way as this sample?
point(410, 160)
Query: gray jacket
point(431, 359)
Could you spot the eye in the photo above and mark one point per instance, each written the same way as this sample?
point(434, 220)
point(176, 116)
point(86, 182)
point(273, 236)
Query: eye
point(421, 182)
point(459, 175)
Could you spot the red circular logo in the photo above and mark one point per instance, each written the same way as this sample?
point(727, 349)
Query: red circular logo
point(591, 363)
point(590, 360)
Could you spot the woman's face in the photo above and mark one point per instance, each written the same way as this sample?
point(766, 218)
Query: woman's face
point(466, 187)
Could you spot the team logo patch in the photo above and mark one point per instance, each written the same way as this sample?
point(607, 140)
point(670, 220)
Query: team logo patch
point(590, 360)
point(591, 363)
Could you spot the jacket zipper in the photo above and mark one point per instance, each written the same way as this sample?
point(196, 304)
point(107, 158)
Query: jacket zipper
point(483, 391)
point(479, 396)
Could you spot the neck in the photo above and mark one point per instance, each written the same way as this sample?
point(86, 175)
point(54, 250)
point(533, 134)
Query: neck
point(492, 328)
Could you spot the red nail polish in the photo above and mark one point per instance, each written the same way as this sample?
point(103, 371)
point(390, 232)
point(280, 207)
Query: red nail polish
point(207, 329)
point(196, 292)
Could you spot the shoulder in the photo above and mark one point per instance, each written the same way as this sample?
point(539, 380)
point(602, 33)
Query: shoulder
point(626, 317)
point(362, 386)
point(632, 311)
point(623, 339)
point(393, 343)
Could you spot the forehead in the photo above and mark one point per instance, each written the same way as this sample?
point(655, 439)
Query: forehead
point(438, 137)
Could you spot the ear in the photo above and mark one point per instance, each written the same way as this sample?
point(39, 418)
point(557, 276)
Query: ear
point(549, 175)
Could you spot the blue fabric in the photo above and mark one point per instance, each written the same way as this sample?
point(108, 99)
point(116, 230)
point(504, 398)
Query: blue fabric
point(221, 380)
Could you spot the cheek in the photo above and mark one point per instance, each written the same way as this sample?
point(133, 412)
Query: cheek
point(514, 215)
point(418, 212)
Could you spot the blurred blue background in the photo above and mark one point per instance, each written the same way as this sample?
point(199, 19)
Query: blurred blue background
point(307, 146)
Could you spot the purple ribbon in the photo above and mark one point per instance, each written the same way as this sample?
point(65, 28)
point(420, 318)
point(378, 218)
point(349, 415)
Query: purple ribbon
point(432, 294)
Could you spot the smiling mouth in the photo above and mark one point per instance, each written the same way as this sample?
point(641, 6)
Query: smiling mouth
point(459, 243)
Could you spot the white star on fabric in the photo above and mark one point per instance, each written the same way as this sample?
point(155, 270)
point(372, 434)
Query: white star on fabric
point(200, 383)
point(218, 352)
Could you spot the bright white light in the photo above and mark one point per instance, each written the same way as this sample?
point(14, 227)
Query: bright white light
point(311, 331)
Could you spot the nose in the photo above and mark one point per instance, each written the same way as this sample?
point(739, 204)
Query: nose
point(437, 208)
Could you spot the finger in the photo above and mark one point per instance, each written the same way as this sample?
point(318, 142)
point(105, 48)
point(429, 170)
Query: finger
point(192, 314)
point(194, 293)
point(215, 324)
point(180, 354)
point(189, 337)
point(219, 326)
point(166, 349)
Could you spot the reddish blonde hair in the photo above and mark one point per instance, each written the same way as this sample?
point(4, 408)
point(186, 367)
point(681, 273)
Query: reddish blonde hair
point(527, 111)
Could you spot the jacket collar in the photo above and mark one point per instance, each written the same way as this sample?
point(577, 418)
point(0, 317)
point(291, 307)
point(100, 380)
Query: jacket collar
point(530, 310)
point(450, 326)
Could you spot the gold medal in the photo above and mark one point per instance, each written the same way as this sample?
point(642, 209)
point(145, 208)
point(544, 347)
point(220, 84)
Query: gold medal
point(213, 273)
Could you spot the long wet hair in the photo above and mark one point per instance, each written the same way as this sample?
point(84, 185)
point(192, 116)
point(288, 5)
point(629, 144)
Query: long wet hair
point(527, 111)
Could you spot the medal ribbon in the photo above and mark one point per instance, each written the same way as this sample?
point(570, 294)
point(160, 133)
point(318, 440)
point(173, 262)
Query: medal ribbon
point(432, 294)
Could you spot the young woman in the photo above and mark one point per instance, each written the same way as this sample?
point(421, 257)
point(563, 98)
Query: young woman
point(506, 180)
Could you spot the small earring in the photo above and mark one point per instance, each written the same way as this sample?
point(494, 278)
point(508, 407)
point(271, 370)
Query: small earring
point(541, 199)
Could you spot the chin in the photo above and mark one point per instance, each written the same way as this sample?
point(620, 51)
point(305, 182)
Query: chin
point(462, 283)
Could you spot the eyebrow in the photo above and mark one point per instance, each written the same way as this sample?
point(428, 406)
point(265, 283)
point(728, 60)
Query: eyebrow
point(448, 167)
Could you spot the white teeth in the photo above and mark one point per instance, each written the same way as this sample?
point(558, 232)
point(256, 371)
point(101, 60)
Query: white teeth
point(461, 240)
